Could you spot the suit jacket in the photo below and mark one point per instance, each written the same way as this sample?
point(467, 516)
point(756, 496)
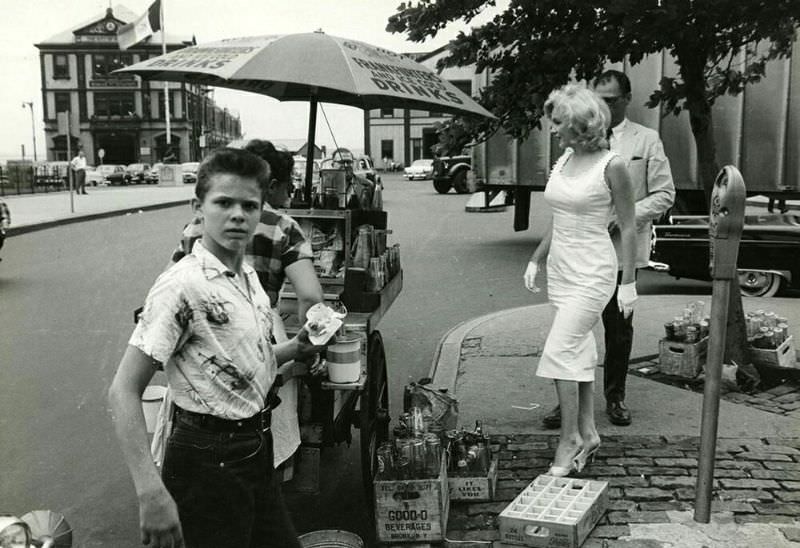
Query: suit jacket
point(642, 151)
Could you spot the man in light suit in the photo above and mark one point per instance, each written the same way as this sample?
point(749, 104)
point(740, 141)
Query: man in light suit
point(654, 191)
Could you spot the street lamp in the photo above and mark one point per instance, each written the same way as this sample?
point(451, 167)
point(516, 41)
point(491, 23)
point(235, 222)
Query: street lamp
point(29, 104)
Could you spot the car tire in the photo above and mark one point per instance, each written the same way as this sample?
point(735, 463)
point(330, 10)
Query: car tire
point(759, 284)
point(442, 186)
point(460, 182)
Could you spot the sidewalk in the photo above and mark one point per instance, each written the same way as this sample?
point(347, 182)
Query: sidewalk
point(489, 363)
point(31, 212)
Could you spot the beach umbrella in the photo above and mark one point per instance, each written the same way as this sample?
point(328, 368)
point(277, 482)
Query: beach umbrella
point(314, 67)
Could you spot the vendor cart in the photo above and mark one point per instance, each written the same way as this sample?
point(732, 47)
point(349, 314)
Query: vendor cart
point(329, 410)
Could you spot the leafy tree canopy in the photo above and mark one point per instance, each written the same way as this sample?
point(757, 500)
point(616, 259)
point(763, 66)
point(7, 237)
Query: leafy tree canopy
point(534, 46)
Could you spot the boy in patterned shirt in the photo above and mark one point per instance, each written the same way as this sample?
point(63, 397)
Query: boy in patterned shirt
point(207, 322)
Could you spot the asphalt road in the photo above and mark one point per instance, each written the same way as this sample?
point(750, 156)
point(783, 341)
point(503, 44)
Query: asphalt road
point(67, 299)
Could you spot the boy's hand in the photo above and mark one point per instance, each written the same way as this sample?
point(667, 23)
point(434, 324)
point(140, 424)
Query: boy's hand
point(305, 348)
point(158, 520)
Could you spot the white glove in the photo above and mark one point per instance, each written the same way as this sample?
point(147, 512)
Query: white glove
point(530, 277)
point(626, 297)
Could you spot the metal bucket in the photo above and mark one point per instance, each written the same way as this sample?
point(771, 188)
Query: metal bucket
point(331, 538)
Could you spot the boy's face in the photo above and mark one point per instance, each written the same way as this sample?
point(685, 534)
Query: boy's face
point(230, 212)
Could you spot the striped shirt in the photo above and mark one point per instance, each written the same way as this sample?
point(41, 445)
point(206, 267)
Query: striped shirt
point(277, 243)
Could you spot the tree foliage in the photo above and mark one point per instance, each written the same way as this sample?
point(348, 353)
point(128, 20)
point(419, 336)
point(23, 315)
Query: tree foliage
point(535, 46)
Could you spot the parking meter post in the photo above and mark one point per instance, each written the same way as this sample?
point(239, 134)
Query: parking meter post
point(725, 224)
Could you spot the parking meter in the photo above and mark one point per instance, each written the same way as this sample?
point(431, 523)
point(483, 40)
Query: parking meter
point(725, 224)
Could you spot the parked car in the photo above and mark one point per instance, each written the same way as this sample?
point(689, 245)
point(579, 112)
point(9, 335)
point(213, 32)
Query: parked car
point(451, 172)
point(153, 174)
point(137, 173)
point(95, 177)
point(419, 169)
point(189, 170)
point(768, 251)
point(116, 175)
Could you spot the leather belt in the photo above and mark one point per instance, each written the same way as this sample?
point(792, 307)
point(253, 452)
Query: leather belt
point(261, 421)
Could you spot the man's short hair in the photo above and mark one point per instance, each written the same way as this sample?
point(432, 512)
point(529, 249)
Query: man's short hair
point(622, 80)
point(233, 161)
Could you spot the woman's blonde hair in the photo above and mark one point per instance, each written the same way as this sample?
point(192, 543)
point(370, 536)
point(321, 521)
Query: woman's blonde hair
point(583, 111)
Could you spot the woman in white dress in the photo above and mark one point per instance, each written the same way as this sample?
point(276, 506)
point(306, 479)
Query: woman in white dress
point(587, 186)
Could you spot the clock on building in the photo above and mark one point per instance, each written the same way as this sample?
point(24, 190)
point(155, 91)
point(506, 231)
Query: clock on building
point(111, 26)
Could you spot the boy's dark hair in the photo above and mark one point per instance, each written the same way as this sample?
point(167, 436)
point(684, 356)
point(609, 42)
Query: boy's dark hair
point(234, 161)
point(621, 78)
point(280, 162)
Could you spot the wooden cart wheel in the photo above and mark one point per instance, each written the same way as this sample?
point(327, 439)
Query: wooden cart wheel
point(374, 412)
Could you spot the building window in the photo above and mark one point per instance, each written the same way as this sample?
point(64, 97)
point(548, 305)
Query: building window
point(114, 104)
point(387, 149)
point(416, 148)
point(60, 66)
point(103, 64)
point(62, 102)
point(387, 113)
point(464, 86)
point(160, 106)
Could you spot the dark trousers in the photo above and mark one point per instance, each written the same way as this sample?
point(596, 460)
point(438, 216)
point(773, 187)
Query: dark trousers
point(226, 489)
point(618, 340)
point(80, 181)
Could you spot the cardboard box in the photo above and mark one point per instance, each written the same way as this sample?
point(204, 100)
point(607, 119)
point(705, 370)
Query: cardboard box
point(412, 510)
point(554, 512)
point(783, 357)
point(682, 359)
point(480, 488)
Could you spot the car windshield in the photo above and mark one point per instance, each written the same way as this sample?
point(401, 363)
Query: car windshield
point(190, 167)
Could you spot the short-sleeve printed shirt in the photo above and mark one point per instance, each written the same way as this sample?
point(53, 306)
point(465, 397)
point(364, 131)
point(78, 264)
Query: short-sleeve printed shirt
point(277, 243)
point(211, 330)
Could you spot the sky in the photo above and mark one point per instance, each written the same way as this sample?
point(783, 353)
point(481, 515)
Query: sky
point(32, 21)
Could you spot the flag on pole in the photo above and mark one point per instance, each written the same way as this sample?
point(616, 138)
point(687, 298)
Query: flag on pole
point(145, 26)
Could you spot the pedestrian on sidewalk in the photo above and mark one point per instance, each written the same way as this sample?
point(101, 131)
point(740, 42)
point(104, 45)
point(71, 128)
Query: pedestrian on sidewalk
point(279, 250)
point(643, 153)
point(206, 321)
point(78, 165)
point(587, 183)
point(5, 222)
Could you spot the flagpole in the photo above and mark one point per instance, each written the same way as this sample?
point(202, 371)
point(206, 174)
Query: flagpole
point(166, 84)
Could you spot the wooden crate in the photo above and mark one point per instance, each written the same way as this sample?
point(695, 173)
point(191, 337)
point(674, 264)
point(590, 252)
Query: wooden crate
point(682, 359)
point(783, 357)
point(554, 512)
point(481, 488)
point(412, 510)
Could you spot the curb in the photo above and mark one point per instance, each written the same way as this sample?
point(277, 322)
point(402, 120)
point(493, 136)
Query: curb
point(24, 229)
point(447, 356)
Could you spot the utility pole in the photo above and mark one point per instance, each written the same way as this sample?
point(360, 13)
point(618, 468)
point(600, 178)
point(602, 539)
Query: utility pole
point(29, 104)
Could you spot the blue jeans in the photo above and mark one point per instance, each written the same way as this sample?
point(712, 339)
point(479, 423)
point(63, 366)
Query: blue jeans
point(226, 489)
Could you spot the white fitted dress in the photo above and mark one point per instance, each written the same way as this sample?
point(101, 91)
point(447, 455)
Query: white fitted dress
point(581, 268)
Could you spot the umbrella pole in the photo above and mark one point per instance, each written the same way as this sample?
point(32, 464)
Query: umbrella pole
point(312, 128)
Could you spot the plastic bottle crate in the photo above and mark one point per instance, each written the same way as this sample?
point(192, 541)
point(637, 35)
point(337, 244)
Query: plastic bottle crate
point(682, 359)
point(554, 511)
point(783, 357)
